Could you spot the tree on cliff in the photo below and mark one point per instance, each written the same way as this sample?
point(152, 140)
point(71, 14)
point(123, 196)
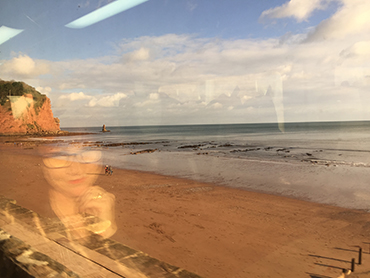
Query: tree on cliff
point(24, 110)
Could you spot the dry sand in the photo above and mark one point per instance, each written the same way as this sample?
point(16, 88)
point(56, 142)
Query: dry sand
point(210, 230)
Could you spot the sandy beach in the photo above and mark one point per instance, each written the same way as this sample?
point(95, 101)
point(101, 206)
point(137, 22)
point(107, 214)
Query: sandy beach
point(210, 230)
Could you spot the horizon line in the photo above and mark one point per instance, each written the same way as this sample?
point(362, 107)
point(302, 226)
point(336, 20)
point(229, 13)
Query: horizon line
point(255, 123)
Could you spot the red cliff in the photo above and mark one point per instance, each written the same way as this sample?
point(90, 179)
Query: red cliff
point(24, 110)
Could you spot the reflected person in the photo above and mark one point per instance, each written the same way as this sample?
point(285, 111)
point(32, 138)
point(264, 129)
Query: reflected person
point(81, 206)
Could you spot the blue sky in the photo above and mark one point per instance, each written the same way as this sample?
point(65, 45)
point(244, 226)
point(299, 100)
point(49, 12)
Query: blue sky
point(46, 37)
point(193, 62)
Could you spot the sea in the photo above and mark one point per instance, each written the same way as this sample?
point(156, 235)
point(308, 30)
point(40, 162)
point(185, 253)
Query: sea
point(323, 162)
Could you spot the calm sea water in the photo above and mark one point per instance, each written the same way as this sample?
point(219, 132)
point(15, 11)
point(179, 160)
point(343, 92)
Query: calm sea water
point(327, 162)
point(334, 130)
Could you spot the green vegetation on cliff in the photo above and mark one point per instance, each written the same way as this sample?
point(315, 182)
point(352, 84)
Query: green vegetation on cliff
point(14, 88)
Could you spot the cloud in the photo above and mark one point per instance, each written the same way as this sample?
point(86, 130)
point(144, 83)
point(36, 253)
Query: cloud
point(360, 49)
point(141, 54)
point(166, 45)
point(299, 9)
point(75, 96)
point(190, 74)
point(107, 101)
point(154, 96)
point(352, 19)
point(24, 67)
point(173, 79)
point(216, 105)
point(44, 90)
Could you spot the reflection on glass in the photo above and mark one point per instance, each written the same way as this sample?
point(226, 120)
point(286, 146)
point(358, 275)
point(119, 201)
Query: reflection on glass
point(6, 33)
point(71, 172)
point(104, 13)
point(269, 96)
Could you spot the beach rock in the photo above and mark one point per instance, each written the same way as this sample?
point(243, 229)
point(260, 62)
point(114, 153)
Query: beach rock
point(283, 150)
point(104, 129)
point(225, 145)
point(246, 150)
point(144, 151)
point(25, 110)
point(190, 146)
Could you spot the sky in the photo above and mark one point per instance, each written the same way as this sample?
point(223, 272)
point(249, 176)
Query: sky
point(168, 62)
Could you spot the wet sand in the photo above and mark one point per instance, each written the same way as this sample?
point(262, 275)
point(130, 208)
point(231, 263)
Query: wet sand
point(210, 230)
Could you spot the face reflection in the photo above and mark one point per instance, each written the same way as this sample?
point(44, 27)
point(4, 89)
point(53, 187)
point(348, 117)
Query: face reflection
point(71, 170)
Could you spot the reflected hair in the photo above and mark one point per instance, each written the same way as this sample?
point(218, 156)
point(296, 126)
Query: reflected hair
point(64, 159)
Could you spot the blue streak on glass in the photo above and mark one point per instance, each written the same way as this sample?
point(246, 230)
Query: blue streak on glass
point(6, 33)
point(104, 13)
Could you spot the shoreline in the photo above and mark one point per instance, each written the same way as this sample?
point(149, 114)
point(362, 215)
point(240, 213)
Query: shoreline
point(32, 146)
point(44, 134)
point(211, 230)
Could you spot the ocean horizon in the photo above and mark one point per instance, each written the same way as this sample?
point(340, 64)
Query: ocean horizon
point(225, 124)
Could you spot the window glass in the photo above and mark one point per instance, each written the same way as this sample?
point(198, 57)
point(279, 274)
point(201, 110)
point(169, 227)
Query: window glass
point(216, 136)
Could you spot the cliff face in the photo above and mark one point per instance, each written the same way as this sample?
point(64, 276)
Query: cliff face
point(24, 110)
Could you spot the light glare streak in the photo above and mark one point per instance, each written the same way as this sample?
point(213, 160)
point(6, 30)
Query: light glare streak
point(104, 13)
point(6, 33)
point(32, 20)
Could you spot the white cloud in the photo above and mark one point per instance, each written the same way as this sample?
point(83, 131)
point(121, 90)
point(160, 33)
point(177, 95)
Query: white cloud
point(357, 53)
point(350, 20)
point(154, 96)
point(75, 96)
point(299, 9)
point(184, 79)
point(44, 90)
point(166, 45)
point(23, 67)
point(107, 101)
point(217, 105)
point(141, 54)
point(190, 74)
